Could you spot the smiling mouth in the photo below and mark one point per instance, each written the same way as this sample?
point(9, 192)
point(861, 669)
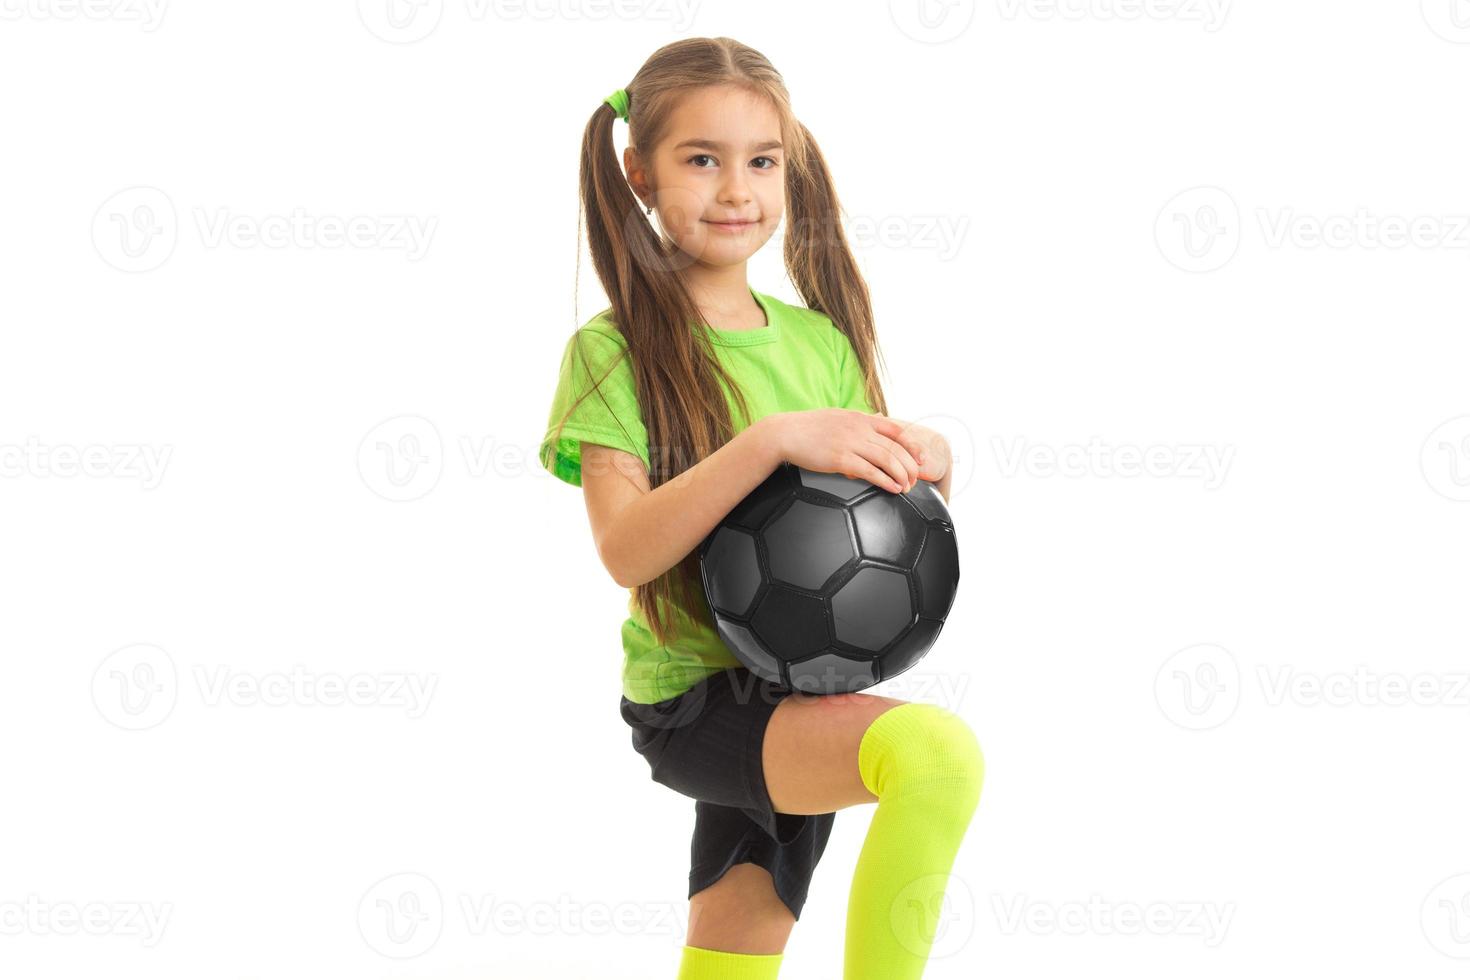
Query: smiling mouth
point(731, 224)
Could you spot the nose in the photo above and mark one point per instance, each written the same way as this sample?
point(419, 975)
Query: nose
point(735, 191)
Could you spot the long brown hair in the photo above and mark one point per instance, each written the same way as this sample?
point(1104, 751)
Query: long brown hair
point(677, 376)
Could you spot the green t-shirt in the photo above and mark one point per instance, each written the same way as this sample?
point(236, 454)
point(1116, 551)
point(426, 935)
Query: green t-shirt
point(797, 361)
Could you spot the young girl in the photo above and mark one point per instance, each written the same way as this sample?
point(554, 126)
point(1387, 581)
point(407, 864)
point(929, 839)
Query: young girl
point(672, 405)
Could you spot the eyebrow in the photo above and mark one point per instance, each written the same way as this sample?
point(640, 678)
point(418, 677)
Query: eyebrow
point(705, 144)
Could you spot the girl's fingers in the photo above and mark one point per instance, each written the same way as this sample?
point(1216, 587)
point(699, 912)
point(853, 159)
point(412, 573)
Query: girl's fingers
point(905, 436)
point(907, 467)
point(865, 470)
point(889, 463)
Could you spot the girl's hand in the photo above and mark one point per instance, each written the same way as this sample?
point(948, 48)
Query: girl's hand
point(937, 459)
point(881, 450)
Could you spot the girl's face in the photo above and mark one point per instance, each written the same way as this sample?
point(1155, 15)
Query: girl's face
point(717, 180)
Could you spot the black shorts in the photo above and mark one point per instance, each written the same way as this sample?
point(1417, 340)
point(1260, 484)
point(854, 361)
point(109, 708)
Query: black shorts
point(706, 744)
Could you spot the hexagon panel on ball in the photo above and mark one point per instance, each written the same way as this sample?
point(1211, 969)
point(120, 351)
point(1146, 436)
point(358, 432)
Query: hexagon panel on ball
point(832, 672)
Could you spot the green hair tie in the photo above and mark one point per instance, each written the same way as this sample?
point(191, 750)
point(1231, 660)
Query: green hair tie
point(619, 101)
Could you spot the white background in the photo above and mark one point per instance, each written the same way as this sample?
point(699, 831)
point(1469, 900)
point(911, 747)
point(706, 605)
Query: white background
point(1097, 224)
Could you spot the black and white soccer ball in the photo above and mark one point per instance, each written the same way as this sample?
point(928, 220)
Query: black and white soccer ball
point(828, 585)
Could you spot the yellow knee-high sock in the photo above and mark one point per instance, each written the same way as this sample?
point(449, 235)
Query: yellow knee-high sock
point(925, 766)
point(713, 964)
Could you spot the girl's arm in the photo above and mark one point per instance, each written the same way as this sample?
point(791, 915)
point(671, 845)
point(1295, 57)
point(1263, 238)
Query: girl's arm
point(642, 533)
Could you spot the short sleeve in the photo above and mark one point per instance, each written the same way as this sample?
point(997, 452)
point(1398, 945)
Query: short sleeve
point(852, 386)
point(595, 363)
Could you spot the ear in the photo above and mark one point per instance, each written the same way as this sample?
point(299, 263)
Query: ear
point(637, 175)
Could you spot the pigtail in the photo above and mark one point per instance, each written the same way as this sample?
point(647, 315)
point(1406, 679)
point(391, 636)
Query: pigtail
point(821, 265)
point(676, 373)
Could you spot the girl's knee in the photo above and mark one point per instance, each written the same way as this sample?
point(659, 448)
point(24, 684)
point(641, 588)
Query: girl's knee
point(922, 745)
